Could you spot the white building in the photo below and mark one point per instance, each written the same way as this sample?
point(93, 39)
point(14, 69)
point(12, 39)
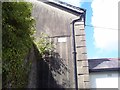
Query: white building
point(104, 73)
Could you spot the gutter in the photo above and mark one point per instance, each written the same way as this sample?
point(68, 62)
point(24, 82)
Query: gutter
point(104, 69)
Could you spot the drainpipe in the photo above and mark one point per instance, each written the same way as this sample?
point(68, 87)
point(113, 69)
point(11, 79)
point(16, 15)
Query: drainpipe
point(74, 51)
point(84, 15)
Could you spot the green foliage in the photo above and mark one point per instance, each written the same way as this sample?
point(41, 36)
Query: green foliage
point(44, 44)
point(17, 28)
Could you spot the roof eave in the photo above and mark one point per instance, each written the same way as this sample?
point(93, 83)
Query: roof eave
point(66, 7)
point(104, 69)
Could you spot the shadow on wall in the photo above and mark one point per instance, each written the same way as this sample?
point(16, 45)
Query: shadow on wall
point(56, 63)
point(43, 68)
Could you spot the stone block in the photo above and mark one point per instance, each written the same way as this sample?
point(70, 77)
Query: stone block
point(82, 70)
point(87, 85)
point(86, 77)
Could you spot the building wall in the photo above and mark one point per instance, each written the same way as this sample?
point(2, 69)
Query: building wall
point(57, 24)
point(104, 79)
point(82, 62)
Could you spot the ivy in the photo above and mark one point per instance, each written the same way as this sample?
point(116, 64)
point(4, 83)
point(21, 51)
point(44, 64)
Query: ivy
point(17, 29)
point(44, 44)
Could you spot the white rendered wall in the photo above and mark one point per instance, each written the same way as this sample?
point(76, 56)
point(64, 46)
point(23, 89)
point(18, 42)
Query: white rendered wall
point(104, 80)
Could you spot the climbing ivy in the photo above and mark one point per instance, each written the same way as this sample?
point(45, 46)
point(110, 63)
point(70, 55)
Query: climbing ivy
point(17, 29)
point(44, 44)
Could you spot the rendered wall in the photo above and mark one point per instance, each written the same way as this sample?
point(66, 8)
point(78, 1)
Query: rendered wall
point(57, 23)
point(104, 79)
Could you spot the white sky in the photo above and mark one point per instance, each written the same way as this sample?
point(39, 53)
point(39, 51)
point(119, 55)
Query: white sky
point(105, 14)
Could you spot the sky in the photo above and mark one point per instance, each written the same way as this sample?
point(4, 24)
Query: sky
point(102, 39)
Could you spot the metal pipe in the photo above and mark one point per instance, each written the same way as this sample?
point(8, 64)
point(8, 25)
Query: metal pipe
point(74, 51)
point(84, 17)
point(74, 57)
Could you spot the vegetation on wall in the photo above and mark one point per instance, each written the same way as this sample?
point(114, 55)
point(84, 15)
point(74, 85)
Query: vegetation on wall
point(17, 28)
point(44, 44)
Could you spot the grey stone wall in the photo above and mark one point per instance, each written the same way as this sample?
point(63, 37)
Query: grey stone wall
point(82, 62)
point(41, 75)
point(57, 23)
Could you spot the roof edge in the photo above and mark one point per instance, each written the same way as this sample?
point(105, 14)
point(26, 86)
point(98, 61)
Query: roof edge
point(65, 5)
point(104, 69)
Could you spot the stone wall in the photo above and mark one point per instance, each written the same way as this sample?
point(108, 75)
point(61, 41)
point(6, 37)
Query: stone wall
point(57, 23)
point(82, 62)
point(41, 74)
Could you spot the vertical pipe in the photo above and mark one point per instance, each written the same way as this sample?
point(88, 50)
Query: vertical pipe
point(74, 57)
point(74, 51)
